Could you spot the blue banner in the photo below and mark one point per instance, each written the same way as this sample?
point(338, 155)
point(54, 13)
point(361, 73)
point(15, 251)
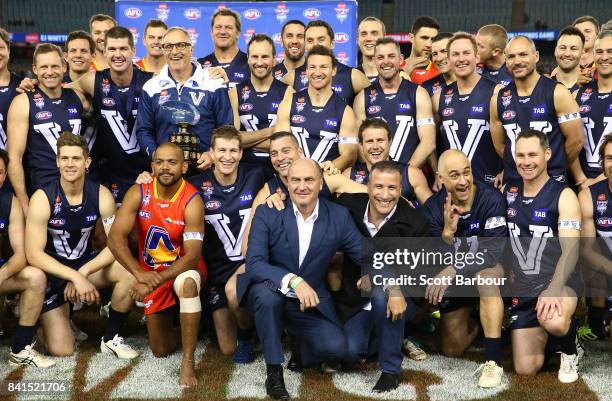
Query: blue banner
point(257, 17)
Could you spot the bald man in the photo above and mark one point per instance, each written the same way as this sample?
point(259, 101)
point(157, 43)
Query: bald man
point(286, 264)
point(469, 218)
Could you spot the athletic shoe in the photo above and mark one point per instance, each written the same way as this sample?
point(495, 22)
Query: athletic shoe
point(568, 371)
point(413, 350)
point(29, 357)
point(117, 347)
point(244, 352)
point(491, 375)
point(139, 304)
point(79, 334)
point(105, 310)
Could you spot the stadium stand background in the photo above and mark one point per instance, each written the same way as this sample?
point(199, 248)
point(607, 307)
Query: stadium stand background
point(63, 16)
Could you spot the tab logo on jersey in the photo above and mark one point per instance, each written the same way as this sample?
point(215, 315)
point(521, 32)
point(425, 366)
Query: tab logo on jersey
point(72, 110)
point(246, 107)
point(192, 14)
point(239, 75)
point(213, 205)
point(274, 106)
point(312, 13)
point(2, 224)
point(337, 88)
point(477, 109)
point(540, 214)
point(108, 102)
point(508, 115)
point(539, 110)
point(43, 115)
point(373, 109)
point(604, 222)
point(610, 108)
point(57, 222)
point(91, 217)
point(144, 214)
point(246, 197)
point(331, 123)
point(449, 111)
point(511, 212)
point(298, 119)
point(403, 107)
point(133, 12)
point(251, 14)
point(585, 108)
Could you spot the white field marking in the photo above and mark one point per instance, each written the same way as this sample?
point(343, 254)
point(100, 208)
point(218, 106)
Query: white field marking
point(63, 370)
point(361, 383)
point(249, 380)
point(595, 369)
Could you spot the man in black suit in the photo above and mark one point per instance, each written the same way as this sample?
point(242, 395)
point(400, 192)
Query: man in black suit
point(382, 212)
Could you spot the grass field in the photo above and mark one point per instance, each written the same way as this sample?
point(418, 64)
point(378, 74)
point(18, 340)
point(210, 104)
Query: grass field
point(97, 377)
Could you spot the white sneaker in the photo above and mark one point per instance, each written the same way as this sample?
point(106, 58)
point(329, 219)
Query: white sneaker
point(79, 334)
point(491, 375)
point(29, 357)
point(568, 370)
point(118, 347)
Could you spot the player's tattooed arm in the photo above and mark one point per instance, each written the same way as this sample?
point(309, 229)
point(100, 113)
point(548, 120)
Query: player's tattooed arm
point(17, 138)
point(426, 129)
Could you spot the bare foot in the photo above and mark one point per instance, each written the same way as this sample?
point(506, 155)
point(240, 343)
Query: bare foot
point(188, 377)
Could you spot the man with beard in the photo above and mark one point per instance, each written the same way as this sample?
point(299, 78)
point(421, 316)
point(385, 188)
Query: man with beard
point(321, 121)
point(292, 36)
point(595, 107)
point(99, 24)
point(567, 54)
point(170, 218)
point(405, 106)
point(36, 121)
point(370, 29)
point(228, 191)
point(182, 80)
point(544, 226)
point(225, 28)
point(346, 82)
point(418, 65)
point(8, 85)
point(492, 40)
point(537, 102)
point(59, 229)
point(468, 217)
point(80, 49)
point(256, 100)
point(154, 33)
point(463, 110)
point(439, 57)
point(374, 142)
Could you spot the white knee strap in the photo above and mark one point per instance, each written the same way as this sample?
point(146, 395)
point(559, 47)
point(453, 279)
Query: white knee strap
point(188, 305)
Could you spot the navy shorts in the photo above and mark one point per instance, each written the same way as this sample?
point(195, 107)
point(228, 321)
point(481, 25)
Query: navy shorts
point(214, 297)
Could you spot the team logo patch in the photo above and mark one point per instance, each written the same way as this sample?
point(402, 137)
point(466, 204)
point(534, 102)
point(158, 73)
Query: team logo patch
point(508, 115)
point(512, 194)
point(360, 176)
point(373, 94)
point(246, 92)
point(133, 12)
point(604, 222)
point(303, 78)
point(108, 101)
point(192, 14)
point(57, 222)
point(298, 119)
point(57, 207)
point(602, 204)
point(44, 115)
point(246, 107)
point(300, 103)
point(251, 14)
point(278, 74)
point(158, 248)
point(448, 97)
point(312, 13)
point(246, 197)
point(373, 109)
point(248, 34)
point(540, 214)
point(162, 11)
point(105, 86)
point(164, 96)
point(586, 95)
point(511, 212)
point(213, 205)
point(506, 98)
point(207, 189)
point(447, 112)
point(585, 108)
point(281, 12)
point(331, 123)
point(144, 214)
point(39, 101)
point(342, 12)
point(147, 198)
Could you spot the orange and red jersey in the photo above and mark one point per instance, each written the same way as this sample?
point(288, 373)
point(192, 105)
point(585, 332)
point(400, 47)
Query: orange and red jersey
point(142, 65)
point(420, 75)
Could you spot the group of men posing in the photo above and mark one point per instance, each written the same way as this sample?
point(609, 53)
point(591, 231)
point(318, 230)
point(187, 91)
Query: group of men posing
point(327, 155)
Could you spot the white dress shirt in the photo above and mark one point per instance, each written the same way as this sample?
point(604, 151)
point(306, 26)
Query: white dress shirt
point(305, 227)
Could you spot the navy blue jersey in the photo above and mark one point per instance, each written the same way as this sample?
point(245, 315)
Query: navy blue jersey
point(276, 185)
point(361, 175)
point(116, 109)
point(399, 111)
point(572, 89)
point(596, 113)
point(602, 214)
point(536, 111)
point(317, 129)
point(70, 228)
point(483, 223)
point(6, 202)
point(47, 120)
point(279, 71)
point(533, 226)
point(501, 76)
point(7, 93)
point(342, 82)
point(227, 213)
point(465, 126)
point(258, 110)
point(371, 78)
point(435, 84)
point(237, 70)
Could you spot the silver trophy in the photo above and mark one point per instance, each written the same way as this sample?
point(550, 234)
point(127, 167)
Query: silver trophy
point(183, 115)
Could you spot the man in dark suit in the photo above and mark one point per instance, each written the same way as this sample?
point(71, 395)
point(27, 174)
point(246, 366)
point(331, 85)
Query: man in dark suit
point(286, 263)
point(382, 212)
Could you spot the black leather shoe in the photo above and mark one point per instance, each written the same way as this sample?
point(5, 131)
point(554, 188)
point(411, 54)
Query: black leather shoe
point(275, 384)
point(387, 382)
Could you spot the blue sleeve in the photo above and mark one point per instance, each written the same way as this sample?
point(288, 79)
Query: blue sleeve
point(258, 252)
point(222, 108)
point(145, 125)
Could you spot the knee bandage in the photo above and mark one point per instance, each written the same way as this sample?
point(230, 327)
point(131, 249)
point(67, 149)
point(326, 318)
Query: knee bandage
point(188, 305)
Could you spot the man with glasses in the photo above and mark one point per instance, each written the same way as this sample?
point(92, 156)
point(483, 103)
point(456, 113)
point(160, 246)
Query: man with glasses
point(188, 82)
